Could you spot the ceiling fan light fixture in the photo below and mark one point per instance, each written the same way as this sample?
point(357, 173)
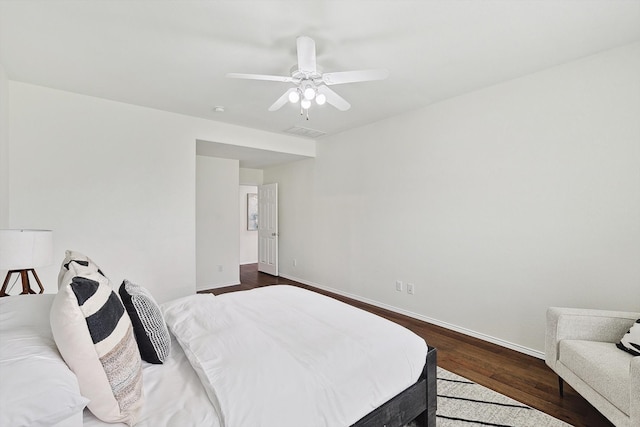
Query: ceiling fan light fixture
point(294, 97)
point(309, 93)
point(309, 82)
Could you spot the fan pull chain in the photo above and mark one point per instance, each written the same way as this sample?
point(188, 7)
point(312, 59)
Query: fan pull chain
point(302, 111)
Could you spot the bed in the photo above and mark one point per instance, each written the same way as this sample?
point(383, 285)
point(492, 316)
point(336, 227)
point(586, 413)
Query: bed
point(273, 356)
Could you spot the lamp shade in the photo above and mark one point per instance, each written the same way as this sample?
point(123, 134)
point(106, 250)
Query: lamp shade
point(25, 249)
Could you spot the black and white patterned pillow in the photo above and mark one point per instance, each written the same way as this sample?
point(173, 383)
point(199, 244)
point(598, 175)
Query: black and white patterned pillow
point(94, 335)
point(149, 326)
point(630, 342)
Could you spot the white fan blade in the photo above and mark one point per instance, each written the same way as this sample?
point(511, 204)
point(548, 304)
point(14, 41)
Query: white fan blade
point(283, 79)
point(334, 99)
point(282, 100)
point(306, 54)
point(341, 77)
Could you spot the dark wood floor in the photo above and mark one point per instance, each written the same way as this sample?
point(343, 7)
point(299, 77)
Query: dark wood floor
point(522, 377)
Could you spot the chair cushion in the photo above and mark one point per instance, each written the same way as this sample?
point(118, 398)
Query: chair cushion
point(602, 366)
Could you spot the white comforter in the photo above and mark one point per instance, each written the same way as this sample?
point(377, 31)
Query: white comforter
point(282, 356)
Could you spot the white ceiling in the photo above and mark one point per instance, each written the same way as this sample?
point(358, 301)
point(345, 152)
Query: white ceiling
point(173, 55)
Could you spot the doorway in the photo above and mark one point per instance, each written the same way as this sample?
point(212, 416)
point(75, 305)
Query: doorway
point(248, 233)
point(259, 227)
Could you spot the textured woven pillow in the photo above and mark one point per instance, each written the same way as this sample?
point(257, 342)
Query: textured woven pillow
point(630, 342)
point(149, 326)
point(94, 336)
point(79, 259)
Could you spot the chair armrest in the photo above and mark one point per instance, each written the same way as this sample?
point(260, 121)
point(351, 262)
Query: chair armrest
point(634, 410)
point(583, 324)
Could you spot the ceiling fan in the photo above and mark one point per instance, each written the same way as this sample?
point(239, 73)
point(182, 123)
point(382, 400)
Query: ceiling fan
point(309, 81)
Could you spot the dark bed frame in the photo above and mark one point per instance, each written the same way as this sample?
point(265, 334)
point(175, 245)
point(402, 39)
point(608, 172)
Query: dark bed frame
point(417, 403)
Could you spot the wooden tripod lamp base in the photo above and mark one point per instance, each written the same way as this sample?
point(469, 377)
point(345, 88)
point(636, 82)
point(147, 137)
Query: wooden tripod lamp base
point(26, 286)
point(21, 251)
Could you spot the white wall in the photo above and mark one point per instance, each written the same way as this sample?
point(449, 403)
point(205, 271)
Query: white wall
point(496, 204)
point(248, 238)
point(217, 221)
point(117, 182)
point(251, 176)
point(4, 149)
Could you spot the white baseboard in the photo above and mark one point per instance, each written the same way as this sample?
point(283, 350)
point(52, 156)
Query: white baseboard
point(465, 331)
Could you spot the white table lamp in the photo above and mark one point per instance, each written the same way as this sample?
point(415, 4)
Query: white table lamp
point(21, 251)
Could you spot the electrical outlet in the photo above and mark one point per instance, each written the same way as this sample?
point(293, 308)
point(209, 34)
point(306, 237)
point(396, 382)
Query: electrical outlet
point(399, 285)
point(410, 288)
point(295, 262)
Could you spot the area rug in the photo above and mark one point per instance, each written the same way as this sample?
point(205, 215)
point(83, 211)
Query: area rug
point(463, 403)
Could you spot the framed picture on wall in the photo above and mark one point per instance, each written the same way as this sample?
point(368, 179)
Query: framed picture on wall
point(252, 211)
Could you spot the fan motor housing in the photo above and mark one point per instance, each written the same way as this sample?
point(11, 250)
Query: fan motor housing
point(299, 75)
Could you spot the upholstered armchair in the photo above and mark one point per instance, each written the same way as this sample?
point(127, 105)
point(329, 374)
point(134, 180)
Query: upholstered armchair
point(581, 348)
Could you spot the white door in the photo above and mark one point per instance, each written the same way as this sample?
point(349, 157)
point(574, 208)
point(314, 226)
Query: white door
point(268, 229)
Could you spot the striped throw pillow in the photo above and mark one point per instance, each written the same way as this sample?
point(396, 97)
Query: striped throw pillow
point(630, 342)
point(94, 336)
point(149, 327)
point(78, 258)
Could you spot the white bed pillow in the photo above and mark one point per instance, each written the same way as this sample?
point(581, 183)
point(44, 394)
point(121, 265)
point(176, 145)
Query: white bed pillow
point(37, 388)
point(95, 337)
point(26, 311)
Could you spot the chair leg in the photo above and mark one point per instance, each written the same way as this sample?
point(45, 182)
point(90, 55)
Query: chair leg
point(561, 386)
